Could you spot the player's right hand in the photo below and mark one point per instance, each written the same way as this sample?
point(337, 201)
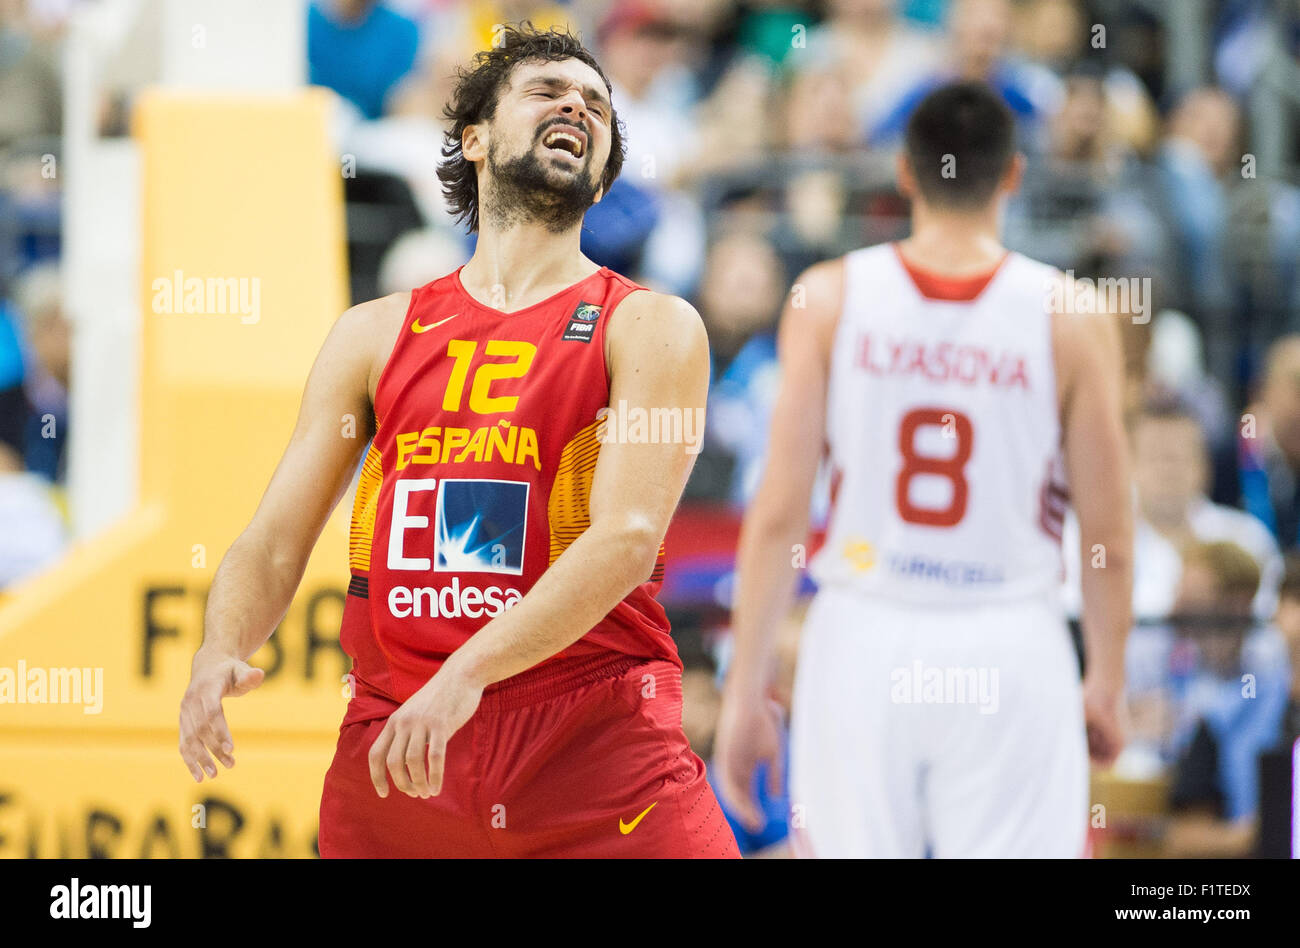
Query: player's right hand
point(203, 724)
point(1105, 718)
point(749, 731)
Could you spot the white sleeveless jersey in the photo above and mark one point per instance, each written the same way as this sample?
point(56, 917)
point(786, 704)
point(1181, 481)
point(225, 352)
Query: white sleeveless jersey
point(944, 438)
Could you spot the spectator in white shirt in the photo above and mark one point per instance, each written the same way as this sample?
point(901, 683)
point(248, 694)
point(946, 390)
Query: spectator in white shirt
point(1171, 476)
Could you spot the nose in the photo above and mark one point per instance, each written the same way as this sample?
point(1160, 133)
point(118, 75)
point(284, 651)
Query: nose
point(573, 105)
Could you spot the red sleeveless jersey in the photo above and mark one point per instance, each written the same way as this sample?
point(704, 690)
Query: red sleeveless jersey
point(477, 480)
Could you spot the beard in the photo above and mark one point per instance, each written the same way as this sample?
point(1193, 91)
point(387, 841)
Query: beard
point(525, 190)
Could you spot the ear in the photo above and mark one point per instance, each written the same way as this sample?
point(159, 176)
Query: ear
point(906, 178)
point(601, 190)
point(474, 142)
point(1014, 174)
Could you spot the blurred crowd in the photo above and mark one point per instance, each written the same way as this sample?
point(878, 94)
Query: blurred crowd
point(761, 137)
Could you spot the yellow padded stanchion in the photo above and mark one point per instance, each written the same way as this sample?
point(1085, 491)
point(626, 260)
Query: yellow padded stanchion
point(242, 274)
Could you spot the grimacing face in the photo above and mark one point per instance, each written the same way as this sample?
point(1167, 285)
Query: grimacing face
point(552, 125)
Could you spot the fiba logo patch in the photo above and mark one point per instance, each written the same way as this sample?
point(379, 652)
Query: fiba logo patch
point(582, 324)
point(481, 526)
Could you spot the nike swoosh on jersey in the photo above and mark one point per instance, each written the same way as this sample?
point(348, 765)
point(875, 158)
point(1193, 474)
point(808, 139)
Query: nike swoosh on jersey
point(626, 828)
point(416, 327)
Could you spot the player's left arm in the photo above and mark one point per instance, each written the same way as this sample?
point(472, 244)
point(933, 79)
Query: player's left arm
point(1089, 363)
point(658, 358)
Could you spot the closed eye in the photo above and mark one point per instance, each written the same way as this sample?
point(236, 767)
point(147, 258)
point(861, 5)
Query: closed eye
point(595, 108)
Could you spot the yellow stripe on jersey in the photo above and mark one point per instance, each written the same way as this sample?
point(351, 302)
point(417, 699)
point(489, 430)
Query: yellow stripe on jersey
point(569, 507)
point(571, 490)
point(363, 510)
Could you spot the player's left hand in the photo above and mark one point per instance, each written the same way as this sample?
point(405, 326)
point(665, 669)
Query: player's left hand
point(413, 744)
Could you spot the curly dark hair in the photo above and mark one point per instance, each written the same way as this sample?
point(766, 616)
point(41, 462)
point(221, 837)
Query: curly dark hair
point(478, 89)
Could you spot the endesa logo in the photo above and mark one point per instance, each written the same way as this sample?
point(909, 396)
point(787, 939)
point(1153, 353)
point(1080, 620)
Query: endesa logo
point(479, 527)
point(451, 602)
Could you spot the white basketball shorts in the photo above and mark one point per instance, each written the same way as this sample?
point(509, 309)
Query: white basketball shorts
point(948, 732)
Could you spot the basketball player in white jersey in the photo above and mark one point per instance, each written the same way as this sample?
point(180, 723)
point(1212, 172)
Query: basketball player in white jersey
point(938, 706)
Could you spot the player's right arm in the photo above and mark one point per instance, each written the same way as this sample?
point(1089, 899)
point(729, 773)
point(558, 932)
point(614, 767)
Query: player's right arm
point(775, 522)
point(259, 574)
point(1090, 378)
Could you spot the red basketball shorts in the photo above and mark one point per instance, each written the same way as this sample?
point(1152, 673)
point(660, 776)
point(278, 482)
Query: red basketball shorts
point(586, 759)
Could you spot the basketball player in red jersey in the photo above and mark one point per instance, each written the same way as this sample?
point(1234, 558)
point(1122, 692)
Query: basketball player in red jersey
point(514, 676)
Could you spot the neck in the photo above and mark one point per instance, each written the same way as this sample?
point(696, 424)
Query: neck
point(1292, 458)
point(516, 265)
point(1171, 524)
point(973, 67)
point(870, 26)
point(954, 241)
point(350, 11)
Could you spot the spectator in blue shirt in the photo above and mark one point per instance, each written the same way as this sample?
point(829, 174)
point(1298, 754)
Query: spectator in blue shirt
point(1229, 688)
point(980, 31)
point(1268, 445)
point(361, 49)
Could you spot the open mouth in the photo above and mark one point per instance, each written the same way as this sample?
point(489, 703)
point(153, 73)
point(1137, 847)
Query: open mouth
point(559, 139)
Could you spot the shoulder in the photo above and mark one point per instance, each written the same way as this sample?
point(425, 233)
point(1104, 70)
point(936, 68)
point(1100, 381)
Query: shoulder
point(1081, 317)
point(367, 333)
point(823, 282)
point(648, 311)
point(382, 317)
point(650, 325)
point(394, 22)
point(815, 301)
point(817, 293)
point(377, 311)
point(1086, 339)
